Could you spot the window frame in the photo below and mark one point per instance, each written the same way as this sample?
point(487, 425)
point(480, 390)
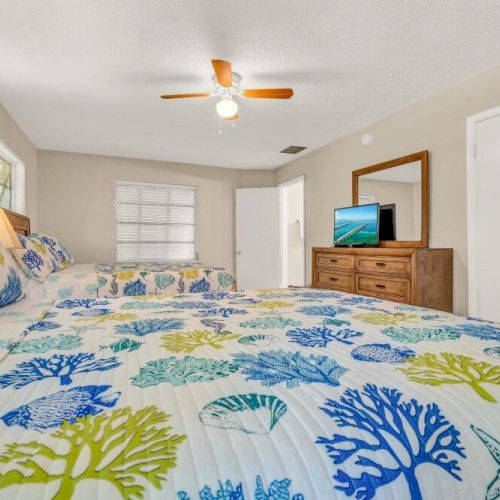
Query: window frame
point(18, 179)
point(6, 186)
point(159, 184)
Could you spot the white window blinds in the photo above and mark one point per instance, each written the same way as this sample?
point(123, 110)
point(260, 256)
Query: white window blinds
point(155, 222)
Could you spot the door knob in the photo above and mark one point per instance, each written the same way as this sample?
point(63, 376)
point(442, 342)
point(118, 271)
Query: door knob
point(238, 252)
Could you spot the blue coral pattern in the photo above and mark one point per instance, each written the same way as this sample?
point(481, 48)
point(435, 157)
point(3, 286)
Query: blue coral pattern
point(279, 489)
point(63, 406)
point(380, 412)
point(312, 393)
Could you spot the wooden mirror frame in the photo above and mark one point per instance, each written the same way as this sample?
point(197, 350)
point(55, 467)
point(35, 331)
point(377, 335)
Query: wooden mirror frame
point(423, 157)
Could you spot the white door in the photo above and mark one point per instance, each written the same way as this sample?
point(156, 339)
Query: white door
point(483, 184)
point(258, 244)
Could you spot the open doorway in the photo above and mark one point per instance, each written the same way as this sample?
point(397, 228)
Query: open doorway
point(483, 207)
point(292, 218)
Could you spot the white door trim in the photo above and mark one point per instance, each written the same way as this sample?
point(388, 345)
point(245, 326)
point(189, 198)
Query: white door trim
point(284, 255)
point(472, 121)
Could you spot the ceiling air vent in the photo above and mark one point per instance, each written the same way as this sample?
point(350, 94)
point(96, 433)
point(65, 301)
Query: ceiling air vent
point(293, 150)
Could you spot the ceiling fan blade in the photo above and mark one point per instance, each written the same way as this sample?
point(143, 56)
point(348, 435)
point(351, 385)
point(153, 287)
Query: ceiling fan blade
point(223, 72)
point(267, 93)
point(183, 96)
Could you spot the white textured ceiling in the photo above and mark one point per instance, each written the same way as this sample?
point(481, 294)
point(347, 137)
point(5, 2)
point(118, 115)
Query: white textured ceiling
point(86, 76)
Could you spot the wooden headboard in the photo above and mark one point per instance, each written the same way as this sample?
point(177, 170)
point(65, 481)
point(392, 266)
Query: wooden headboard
point(20, 223)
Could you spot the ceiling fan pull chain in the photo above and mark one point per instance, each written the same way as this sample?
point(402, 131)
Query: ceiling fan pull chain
point(220, 125)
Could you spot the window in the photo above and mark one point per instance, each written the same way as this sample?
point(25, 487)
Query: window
point(156, 222)
point(5, 184)
point(11, 180)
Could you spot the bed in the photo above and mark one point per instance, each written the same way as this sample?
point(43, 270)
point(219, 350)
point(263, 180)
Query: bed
point(107, 281)
point(270, 394)
point(124, 278)
point(75, 281)
point(160, 277)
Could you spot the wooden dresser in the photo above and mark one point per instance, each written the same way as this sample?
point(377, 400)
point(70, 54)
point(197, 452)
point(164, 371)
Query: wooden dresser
point(417, 276)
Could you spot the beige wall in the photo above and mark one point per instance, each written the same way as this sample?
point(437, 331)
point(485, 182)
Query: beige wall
point(436, 124)
point(16, 140)
point(74, 194)
point(76, 201)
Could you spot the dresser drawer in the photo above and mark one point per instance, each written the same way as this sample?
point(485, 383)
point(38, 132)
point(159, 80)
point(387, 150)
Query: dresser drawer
point(337, 280)
point(397, 289)
point(337, 261)
point(392, 265)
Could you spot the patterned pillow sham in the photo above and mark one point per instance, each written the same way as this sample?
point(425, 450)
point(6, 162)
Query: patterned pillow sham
point(12, 281)
point(63, 258)
point(35, 260)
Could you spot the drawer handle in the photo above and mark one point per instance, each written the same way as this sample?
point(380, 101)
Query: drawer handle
point(380, 264)
point(333, 261)
point(333, 279)
point(380, 286)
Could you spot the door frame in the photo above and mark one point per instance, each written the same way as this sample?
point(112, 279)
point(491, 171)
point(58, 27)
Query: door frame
point(472, 122)
point(283, 236)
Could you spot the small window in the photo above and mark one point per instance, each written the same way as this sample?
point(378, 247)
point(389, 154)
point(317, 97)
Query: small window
point(12, 183)
point(156, 222)
point(5, 184)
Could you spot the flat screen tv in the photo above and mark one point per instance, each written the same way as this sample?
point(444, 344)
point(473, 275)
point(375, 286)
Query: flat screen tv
point(356, 225)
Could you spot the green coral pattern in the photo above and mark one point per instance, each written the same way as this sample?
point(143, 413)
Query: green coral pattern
point(125, 448)
point(163, 280)
point(144, 304)
point(225, 280)
point(270, 322)
point(223, 365)
point(385, 318)
point(179, 371)
point(189, 341)
point(123, 344)
point(61, 342)
point(449, 368)
point(414, 335)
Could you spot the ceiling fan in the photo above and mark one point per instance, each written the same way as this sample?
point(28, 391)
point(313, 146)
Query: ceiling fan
point(226, 86)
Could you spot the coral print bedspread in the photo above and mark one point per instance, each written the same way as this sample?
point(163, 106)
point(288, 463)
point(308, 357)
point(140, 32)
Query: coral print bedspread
point(16, 319)
point(266, 395)
point(104, 280)
point(144, 278)
point(75, 281)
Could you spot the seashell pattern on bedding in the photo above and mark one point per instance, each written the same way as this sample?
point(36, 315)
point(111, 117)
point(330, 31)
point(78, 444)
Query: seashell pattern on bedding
point(260, 395)
point(251, 413)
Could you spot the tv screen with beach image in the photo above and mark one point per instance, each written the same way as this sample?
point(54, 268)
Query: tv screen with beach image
point(356, 225)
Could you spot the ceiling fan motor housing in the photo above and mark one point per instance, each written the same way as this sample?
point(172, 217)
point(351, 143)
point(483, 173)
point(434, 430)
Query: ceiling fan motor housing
point(227, 91)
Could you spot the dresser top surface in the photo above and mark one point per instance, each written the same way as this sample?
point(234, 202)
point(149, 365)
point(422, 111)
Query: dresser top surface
point(377, 251)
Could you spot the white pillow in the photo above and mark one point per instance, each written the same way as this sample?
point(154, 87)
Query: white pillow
point(35, 260)
point(61, 255)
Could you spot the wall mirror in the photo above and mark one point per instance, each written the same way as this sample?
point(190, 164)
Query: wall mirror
point(401, 186)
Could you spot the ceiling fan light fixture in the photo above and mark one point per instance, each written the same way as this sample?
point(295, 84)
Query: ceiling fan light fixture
point(227, 108)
